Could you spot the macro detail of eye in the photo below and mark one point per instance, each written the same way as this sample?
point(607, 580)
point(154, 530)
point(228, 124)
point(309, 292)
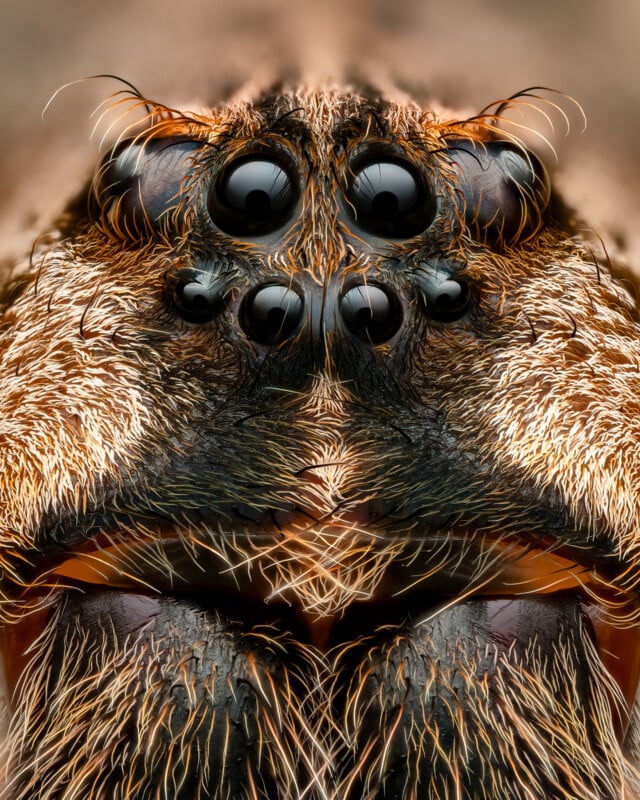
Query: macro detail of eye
point(139, 188)
point(390, 199)
point(253, 197)
point(445, 297)
point(271, 313)
point(371, 312)
point(503, 190)
point(194, 295)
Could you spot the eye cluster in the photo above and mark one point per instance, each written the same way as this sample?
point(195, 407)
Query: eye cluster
point(156, 187)
point(499, 191)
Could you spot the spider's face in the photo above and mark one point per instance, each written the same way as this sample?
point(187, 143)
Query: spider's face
point(319, 471)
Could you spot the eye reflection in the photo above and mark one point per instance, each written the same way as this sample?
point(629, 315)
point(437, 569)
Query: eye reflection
point(194, 295)
point(139, 188)
point(271, 313)
point(391, 199)
point(253, 198)
point(445, 297)
point(502, 190)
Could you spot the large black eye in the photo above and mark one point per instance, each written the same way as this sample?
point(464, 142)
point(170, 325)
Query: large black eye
point(140, 187)
point(390, 199)
point(503, 190)
point(253, 197)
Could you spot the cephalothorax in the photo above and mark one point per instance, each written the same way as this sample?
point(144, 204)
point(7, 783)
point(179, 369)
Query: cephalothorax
point(319, 470)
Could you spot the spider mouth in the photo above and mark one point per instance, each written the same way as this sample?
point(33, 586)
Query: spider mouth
point(329, 585)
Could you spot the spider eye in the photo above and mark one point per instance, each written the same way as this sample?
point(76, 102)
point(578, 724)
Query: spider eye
point(371, 312)
point(390, 199)
point(140, 186)
point(271, 313)
point(194, 295)
point(253, 197)
point(503, 190)
point(445, 297)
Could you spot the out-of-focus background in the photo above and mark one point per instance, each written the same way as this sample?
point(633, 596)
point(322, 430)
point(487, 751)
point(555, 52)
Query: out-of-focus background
point(464, 53)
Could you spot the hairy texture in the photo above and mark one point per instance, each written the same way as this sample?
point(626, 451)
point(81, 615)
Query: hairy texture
point(472, 719)
point(319, 468)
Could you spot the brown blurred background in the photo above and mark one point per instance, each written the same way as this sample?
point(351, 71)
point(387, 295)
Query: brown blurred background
point(463, 52)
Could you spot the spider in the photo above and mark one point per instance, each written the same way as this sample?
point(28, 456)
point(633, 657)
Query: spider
point(319, 468)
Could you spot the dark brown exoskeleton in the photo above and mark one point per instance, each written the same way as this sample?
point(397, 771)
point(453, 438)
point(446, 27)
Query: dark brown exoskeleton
point(319, 471)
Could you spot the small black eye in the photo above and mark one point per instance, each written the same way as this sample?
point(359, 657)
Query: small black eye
point(140, 187)
point(371, 312)
point(445, 296)
point(503, 190)
point(253, 197)
point(391, 200)
point(271, 313)
point(195, 296)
